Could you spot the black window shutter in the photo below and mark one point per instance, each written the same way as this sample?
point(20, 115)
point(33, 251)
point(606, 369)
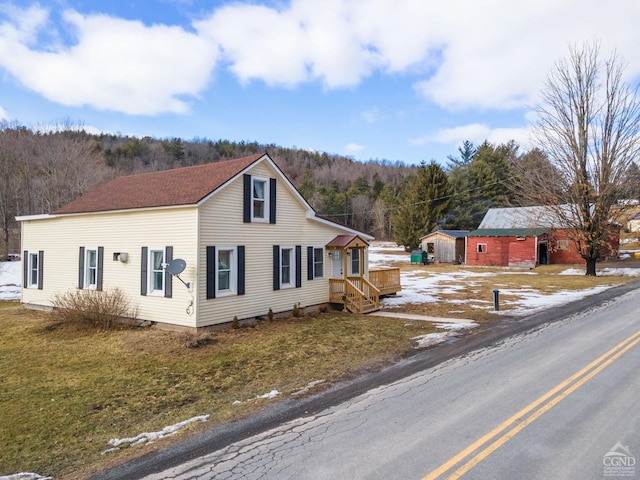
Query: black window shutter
point(241, 270)
point(168, 278)
point(81, 268)
point(309, 263)
point(272, 200)
point(298, 266)
point(276, 267)
point(100, 265)
point(211, 272)
point(246, 210)
point(25, 269)
point(40, 269)
point(143, 272)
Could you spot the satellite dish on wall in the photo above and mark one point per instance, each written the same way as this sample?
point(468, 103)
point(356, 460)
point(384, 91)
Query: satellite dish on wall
point(176, 267)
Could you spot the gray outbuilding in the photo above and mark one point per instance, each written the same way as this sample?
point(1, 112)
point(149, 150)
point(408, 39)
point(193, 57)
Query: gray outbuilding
point(445, 246)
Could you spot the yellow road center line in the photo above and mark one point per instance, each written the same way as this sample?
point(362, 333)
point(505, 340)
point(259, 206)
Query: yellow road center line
point(601, 362)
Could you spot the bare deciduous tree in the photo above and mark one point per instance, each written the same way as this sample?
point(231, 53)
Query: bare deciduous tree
point(588, 124)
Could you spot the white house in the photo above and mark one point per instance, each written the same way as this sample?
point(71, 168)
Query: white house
point(237, 233)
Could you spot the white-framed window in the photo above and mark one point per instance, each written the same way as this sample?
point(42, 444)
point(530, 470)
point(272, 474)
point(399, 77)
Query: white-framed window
point(91, 268)
point(287, 267)
point(354, 254)
point(318, 262)
point(226, 271)
point(563, 244)
point(259, 199)
point(156, 271)
point(482, 248)
point(34, 269)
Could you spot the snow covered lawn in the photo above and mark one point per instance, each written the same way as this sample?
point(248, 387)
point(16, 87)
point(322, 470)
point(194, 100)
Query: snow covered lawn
point(420, 286)
point(428, 285)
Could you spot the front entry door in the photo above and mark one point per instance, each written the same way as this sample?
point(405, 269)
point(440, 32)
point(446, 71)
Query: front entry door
point(336, 264)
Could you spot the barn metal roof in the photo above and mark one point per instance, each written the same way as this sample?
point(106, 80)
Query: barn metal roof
point(449, 233)
point(522, 217)
point(507, 232)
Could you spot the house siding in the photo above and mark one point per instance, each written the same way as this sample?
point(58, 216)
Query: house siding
point(188, 232)
point(61, 237)
point(222, 223)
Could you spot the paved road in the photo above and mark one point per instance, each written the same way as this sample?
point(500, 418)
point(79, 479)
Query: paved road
point(559, 402)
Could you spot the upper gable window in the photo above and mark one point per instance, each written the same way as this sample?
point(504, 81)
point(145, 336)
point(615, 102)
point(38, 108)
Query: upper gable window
point(259, 199)
point(260, 194)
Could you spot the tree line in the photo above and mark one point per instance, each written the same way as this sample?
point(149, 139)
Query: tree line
point(41, 171)
point(588, 146)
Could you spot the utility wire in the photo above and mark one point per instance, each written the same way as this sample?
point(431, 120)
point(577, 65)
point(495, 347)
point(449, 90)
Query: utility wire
point(423, 202)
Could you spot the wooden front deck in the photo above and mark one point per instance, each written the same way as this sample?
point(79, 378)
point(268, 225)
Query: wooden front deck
point(387, 280)
point(361, 295)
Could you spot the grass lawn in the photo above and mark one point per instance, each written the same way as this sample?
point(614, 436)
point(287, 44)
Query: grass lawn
point(65, 391)
point(472, 297)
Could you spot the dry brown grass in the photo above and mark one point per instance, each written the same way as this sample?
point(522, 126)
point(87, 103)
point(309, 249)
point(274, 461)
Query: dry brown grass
point(472, 297)
point(66, 390)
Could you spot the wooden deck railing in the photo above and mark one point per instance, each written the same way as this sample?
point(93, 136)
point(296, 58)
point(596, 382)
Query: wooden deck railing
point(359, 294)
point(387, 280)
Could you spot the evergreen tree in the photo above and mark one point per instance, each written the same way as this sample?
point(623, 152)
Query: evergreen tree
point(423, 201)
point(487, 181)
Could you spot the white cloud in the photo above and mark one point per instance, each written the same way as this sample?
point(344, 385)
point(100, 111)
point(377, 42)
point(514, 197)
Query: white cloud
point(371, 116)
point(310, 40)
point(460, 54)
point(4, 116)
point(498, 57)
point(114, 65)
point(353, 148)
point(476, 133)
point(470, 54)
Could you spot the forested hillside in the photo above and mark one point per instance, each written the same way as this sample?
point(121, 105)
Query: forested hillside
point(391, 200)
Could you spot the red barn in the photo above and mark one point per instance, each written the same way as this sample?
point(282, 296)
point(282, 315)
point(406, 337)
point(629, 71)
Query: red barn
point(523, 237)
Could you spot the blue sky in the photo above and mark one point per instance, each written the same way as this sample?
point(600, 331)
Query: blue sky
point(405, 80)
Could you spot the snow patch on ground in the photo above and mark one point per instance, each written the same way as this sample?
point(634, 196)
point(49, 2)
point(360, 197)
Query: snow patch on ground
point(606, 272)
point(25, 476)
point(10, 281)
point(271, 394)
point(416, 288)
point(150, 437)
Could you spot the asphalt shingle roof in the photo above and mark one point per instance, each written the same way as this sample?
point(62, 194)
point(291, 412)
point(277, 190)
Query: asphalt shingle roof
point(180, 186)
